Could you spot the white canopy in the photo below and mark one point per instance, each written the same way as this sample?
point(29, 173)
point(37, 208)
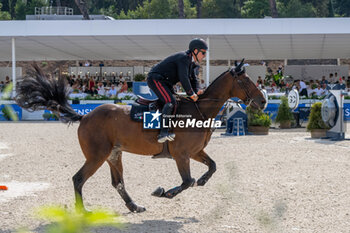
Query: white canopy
point(301, 38)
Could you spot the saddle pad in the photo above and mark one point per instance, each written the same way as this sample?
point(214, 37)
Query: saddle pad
point(136, 113)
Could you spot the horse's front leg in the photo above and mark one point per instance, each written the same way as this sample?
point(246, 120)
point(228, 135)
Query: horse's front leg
point(183, 165)
point(204, 158)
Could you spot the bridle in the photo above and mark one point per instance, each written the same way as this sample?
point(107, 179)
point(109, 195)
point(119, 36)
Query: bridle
point(235, 75)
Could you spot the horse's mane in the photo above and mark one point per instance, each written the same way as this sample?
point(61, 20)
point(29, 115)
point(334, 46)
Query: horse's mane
point(205, 94)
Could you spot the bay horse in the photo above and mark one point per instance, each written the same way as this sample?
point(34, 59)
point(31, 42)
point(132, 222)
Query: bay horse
point(108, 130)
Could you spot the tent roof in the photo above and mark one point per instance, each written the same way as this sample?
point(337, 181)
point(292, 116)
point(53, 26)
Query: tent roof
point(297, 38)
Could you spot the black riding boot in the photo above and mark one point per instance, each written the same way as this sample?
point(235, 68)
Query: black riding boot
point(164, 134)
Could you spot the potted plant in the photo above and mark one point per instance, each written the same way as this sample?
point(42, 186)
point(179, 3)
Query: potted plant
point(46, 116)
point(258, 122)
point(284, 115)
point(316, 125)
point(139, 77)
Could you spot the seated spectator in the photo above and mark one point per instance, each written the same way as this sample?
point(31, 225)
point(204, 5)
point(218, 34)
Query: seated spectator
point(101, 89)
point(93, 91)
point(325, 89)
point(124, 87)
point(76, 87)
point(323, 81)
point(341, 84)
point(112, 92)
point(318, 91)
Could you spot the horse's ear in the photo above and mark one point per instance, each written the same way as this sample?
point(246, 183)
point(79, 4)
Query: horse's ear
point(238, 68)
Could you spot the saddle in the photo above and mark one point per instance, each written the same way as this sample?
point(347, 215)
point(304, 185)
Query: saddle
point(142, 105)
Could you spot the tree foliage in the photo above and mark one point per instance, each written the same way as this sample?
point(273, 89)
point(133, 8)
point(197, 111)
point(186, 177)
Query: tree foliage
point(161, 9)
point(4, 15)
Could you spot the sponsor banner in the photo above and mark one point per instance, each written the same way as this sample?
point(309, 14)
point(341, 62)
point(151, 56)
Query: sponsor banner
point(84, 109)
point(272, 109)
point(14, 107)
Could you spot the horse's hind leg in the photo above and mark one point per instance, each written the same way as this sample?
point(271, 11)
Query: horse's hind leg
point(204, 158)
point(79, 179)
point(115, 163)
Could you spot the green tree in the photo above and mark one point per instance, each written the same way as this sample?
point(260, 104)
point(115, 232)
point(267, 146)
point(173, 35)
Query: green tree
point(5, 5)
point(296, 9)
point(30, 10)
point(256, 9)
point(220, 9)
point(159, 9)
point(20, 10)
point(273, 9)
point(342, 7)
point(4, 15)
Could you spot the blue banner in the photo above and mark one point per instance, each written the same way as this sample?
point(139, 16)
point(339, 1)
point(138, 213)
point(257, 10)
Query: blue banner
point(272, 109)
point(84, 109)
point(16, 109)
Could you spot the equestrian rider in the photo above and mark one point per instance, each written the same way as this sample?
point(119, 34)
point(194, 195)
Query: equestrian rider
point(175, 68)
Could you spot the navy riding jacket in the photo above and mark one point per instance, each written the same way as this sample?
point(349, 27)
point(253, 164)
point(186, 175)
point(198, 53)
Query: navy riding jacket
point(176, 68)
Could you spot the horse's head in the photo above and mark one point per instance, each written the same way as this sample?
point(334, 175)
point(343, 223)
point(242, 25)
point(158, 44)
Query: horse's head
point(245, 89)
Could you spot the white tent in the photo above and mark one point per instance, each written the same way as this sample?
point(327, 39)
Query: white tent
point(299, 38)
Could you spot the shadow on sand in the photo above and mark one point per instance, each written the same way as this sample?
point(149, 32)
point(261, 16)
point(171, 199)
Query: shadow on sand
point(145, 226)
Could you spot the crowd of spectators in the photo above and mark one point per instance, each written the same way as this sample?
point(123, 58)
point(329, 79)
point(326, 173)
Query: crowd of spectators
point(98, 86)
point(309, 88)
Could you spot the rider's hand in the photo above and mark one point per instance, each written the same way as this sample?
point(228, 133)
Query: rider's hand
point(200, 92)
point(194, 97)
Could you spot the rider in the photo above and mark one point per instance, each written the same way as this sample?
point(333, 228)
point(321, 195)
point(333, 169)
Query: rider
point(175, 68)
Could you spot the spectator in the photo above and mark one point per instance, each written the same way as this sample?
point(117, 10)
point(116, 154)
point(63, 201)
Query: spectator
point(7, 80)
point(93, 91)
point(259, 81)
point(124, 87)
point(302, 88)
point(331, 80)
point(336, 78)
point(323, 81)
point(318, 91)
point(112, 92)
point(325, 90)
point(91, 83)
point(101, 89)
point(341, 84)
point(76, 86)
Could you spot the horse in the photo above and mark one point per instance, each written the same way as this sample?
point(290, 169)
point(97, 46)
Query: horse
point(108, 130)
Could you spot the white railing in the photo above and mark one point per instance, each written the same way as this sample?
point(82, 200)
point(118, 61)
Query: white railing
point(49, 10)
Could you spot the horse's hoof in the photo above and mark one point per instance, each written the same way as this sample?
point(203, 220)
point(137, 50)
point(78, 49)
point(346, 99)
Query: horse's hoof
point(140, 209)
point(135, 208)
point(201, 182)
point(159, 192)
point(82, 210)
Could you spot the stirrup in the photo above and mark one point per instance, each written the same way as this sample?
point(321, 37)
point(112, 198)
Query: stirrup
point(166, 137)
point(171, 136)
point(162, 138)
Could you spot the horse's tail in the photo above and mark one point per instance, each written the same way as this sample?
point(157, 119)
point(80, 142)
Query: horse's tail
point(38, 92)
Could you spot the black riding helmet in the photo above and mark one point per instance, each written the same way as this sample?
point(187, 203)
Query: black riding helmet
point(197, 43)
